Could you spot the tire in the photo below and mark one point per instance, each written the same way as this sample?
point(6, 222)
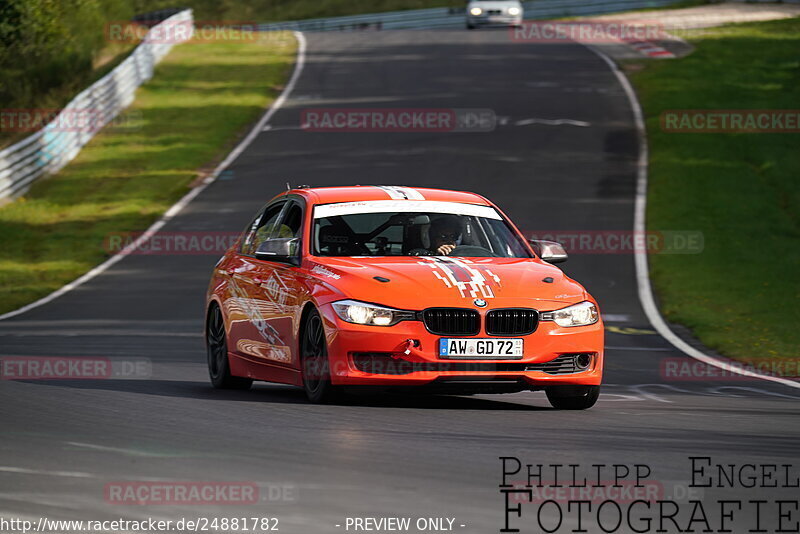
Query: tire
point(470, 27)
point(314, 361)
point(572, 397)
point(219, 369)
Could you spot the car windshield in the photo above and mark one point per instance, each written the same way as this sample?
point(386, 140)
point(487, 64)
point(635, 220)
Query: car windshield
point(449, 229)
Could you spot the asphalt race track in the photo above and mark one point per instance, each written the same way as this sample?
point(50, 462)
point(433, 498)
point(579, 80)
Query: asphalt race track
point(61, 442)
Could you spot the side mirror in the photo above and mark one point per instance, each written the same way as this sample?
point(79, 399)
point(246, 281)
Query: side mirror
point(549, 251)
point(280, 250)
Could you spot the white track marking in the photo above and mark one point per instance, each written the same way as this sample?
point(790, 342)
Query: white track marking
point(719, 391)
point(622, 397)
point(615, 317)
point(102, 333)
point(641, 389)
point(103, 448)
point(640, 256)
point(183, 202)
point(553, 122)
point(23, 471)
point(270, 128)
point(643, 349)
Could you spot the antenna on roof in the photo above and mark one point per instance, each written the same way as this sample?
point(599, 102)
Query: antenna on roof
point(288, 186)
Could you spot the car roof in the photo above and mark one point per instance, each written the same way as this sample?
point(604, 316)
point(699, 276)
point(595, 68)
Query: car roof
point(359, 193)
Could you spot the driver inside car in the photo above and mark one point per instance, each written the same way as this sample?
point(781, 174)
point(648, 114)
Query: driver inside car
point(445, 234)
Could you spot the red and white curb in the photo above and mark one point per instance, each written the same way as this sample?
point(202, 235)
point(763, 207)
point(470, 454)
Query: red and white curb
point(650, 49)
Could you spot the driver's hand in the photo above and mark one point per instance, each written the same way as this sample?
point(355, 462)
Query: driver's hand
point(444, 250)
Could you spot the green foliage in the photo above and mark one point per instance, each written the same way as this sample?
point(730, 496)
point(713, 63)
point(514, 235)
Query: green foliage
point(46, 45)
point(281, 10)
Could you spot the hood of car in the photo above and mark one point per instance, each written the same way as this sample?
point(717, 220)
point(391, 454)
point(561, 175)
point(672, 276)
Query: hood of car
point(499, 4)
point(428, 281)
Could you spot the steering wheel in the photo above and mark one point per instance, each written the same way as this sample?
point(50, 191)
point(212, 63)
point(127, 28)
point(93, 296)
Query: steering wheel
point(420, 252)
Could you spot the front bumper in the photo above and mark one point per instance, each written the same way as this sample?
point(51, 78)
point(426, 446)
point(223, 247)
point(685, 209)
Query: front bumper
point(546, 353)
point(494, 20)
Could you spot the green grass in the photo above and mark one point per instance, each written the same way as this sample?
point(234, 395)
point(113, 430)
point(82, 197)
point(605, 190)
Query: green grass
point(742, 190)
point(201, 99)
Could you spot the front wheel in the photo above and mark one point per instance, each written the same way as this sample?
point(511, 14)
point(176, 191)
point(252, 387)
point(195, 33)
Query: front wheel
point(572, 397)
point(316, 367)
point(219, 369)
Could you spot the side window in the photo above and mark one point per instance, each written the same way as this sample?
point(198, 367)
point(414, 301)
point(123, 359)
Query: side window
point(262, 228)
point(292, 223)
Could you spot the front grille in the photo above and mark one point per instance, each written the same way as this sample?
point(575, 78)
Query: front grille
point(494, 12)
point(452, 321)
point(511, 322)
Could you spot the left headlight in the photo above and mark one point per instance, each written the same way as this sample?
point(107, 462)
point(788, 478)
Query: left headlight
point(357, 312)
point(582, 314)
point(514, 11)
point(475, 11)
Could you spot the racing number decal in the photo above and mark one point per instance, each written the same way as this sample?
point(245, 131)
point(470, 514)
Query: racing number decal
point(465, 276)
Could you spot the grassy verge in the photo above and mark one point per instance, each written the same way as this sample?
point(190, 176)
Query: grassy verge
point(202, 97)
point(740, 189)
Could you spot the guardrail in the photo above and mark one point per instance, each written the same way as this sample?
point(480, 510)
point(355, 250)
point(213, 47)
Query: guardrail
point(454, 17)
point(52, 147)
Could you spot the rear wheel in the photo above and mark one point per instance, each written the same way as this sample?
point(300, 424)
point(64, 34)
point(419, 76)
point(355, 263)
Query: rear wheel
point(572, 397)
point(219, 369)
point(316, 367)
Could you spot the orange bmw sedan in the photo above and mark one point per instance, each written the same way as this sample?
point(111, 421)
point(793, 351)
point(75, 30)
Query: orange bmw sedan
point(334, 288)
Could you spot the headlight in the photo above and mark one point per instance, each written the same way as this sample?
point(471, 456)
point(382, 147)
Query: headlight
point(475, 11)
point(357, 312)
point(514, 11)
point(582, 314)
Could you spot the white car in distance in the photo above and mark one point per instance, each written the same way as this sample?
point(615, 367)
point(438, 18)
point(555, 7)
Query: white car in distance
point(494, 13)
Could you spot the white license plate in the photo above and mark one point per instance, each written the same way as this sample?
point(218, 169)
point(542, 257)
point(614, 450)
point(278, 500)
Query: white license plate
point(498, 349)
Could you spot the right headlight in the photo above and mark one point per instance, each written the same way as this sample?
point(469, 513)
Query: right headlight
point(475, 11)
point(354, 311)
point(514, 11)
point(582, 314)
